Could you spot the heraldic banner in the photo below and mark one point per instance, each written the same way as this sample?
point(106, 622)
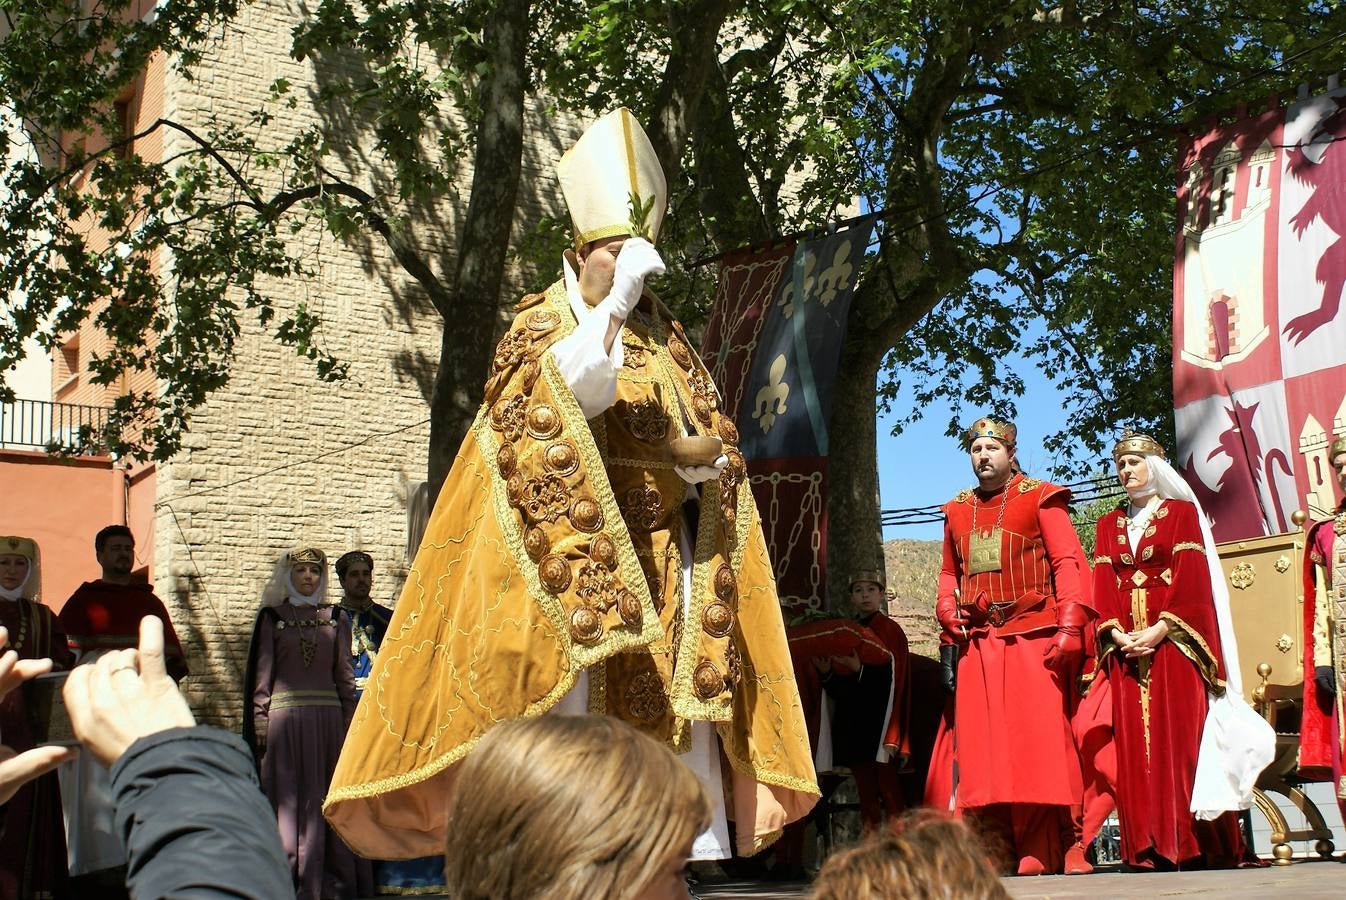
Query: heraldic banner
point(1259, 335)
point(773, 344)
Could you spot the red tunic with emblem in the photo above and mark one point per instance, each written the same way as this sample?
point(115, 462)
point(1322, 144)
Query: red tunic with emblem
point(1015, 754)
point(1159, 701)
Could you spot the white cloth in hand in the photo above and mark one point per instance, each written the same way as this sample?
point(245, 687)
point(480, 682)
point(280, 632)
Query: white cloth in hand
point(637, 261)
point(698, 474)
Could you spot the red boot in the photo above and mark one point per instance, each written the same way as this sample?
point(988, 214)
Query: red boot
point(1076, 864)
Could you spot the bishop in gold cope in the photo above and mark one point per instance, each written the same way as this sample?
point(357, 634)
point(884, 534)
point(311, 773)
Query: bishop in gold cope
point(563, 568)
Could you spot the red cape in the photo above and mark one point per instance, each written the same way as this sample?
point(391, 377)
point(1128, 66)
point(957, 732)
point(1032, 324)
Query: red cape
point(105, 616)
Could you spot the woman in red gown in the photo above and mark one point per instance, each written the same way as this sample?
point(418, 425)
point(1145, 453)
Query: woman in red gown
point(1160, 647)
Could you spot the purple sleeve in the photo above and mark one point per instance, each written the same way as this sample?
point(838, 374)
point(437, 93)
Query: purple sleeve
point(265, 676)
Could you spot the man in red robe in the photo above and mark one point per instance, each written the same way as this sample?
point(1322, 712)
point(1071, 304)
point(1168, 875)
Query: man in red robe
point(1013, 597)
point(1322, 737)
point(104, 615)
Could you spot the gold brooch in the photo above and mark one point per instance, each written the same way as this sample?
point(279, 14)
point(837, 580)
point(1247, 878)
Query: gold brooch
point(707, 680)
point(604, 551)
point(562, 458)
point(717, 620)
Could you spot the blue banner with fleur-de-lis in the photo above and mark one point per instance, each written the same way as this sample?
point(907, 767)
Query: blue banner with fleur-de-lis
point(787, 395)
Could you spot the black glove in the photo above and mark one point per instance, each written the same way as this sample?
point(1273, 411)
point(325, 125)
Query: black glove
point(1326, 679)
point(948, 664)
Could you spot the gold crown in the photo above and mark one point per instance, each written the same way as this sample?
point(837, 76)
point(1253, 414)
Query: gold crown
point(1137, 443)
point(874, 575)
point(1337, 448)
point(306, 555)
point(611, 168)
point(987, 427)
point(12, 545)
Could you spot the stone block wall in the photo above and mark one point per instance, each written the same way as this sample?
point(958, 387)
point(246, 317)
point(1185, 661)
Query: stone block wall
point(269, 462)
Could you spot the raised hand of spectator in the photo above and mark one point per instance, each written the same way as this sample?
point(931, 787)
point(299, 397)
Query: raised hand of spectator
point(17, 769)
point(125, 696)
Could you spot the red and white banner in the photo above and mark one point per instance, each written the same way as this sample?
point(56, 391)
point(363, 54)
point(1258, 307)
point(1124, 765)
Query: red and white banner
point(1259, 335)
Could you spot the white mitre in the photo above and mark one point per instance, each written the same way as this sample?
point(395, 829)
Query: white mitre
point(612, 161)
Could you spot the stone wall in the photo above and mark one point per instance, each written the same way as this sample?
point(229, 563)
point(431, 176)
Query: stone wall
point(269, 462)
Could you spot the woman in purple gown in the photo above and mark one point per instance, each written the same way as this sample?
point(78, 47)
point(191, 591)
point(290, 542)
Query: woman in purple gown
point(301, 695)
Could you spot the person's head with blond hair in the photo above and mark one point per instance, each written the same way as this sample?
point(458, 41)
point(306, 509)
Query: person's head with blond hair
point(930, 857)
point(561, 807)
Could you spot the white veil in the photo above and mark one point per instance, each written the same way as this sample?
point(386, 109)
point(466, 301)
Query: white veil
point(1236, 743)
point(279, 588)
point(27, 589)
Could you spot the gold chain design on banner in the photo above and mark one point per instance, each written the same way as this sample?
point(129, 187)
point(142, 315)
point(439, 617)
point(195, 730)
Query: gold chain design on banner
point(809, 511)
point(758, 301)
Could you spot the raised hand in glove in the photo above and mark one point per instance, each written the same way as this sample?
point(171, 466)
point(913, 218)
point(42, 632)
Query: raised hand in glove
point(1066, 651)
point(948, 665)
point(1326, 681)
point(698, 474)
point(637, 261)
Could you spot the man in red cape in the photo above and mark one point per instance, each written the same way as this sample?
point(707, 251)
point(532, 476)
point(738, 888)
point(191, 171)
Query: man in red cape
point(104, 615)
point(1321, 732)
point(1014, 600)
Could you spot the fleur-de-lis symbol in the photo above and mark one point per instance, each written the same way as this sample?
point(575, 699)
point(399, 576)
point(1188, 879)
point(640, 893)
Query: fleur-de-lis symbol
point(837, 276)
point(771, 399)
point(787, 296)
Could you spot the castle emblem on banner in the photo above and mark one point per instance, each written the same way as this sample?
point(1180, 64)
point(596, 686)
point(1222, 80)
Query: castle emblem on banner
point(1224, 309)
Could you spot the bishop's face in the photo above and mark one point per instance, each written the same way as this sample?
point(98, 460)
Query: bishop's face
point(991, 461)
point(1339, 469)
point(598, 263)
point(13, 570)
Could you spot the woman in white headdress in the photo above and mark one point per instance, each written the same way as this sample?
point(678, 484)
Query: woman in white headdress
point(1189, 748)
point(300, 698)
point(32, 842)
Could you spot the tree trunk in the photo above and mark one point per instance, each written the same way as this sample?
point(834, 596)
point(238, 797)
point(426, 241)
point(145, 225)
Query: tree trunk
point(854, 538)
point(470, 321)
point(694, 30)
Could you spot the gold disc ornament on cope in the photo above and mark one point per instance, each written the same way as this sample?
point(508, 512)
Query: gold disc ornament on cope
point(554, 573)
point(586, 626)
point(707, 680)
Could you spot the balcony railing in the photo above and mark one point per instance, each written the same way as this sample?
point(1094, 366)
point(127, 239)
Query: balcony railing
point(53, 427)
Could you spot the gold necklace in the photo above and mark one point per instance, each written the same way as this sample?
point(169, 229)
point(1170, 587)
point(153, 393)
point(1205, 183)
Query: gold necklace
point(983, 551)
point(16, 644)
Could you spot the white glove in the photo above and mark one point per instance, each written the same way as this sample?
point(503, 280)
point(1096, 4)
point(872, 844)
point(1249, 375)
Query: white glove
point(698, 474)
point(637, 261)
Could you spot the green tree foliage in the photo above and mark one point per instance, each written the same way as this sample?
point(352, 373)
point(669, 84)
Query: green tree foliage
point(1022, 150)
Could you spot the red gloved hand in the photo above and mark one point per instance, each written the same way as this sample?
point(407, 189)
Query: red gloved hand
point(1066, 651)
point(951, 618)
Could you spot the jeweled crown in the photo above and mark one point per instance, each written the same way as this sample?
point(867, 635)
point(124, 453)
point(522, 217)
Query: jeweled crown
point(1337, 448)
point(1137, 443)
point(989, 427)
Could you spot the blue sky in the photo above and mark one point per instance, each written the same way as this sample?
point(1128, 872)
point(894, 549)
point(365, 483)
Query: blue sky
point(922, 465)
